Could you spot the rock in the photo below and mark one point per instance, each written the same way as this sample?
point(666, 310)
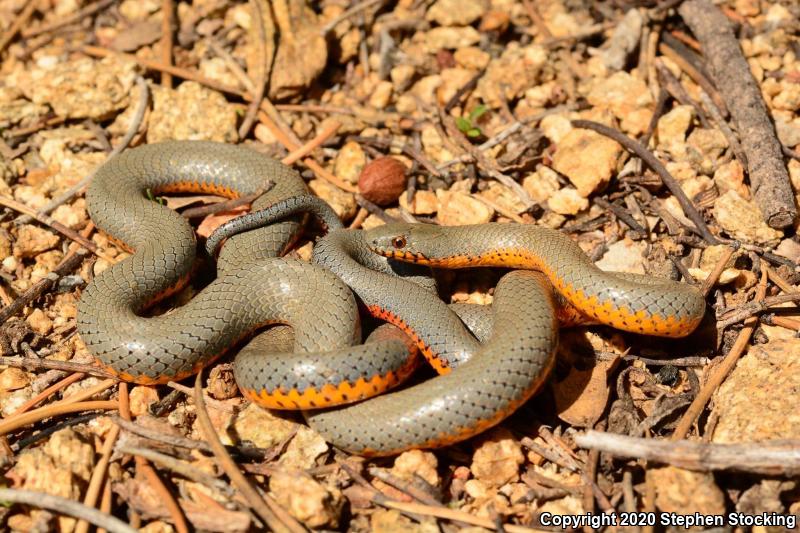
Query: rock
point(624, 40)
point(497, 87)
point(588, 159)
point(750, 405)
point(425, 90)
point(381, 95)
point(349, 162)
point(423, 203)
point(567, 201)
point(458, 208)
point(191, 112)
point(555, 127)
point(730, 177)
point(433, 144)
point(417, 463)
point(497, 458)
point(683, 492)
point(141, 399)
point(707, 146)
point(342, 202)
point(13, 379)
point(471, 57)
point(742, 219)
point(789, 97)
point(401, 77)
point(453, 79)
point(542, 184)
point(788, 132)
point(624, 256)
point(672, 126)
point(306, 499)
point(450, 38)
point(456, 12)
point(81, 88)
point(503, 196)
point(221, 383)
point(39, 322)
point(627, 97)
point(71, 216)
point(33, 240)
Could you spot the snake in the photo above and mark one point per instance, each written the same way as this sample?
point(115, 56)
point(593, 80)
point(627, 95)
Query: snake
point(254, 287)
point(480, 384)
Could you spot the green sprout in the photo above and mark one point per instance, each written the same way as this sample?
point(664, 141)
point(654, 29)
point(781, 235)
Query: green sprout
point(153, 198)
point(467, 124)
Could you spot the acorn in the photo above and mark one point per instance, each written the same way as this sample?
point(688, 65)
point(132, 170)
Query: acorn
point(382, 180)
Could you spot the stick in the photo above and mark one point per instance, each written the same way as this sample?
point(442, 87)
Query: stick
point(66, 507)
point(731, 74)
point(777, 457)
point(224, 460)
point(652, 161)
point(42, 286)
point(20, 21)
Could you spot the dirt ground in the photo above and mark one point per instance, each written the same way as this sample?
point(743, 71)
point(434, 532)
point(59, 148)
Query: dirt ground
point(662, 136)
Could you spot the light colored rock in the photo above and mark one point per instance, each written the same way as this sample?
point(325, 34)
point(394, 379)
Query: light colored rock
point(342, 202)
point(672, 126)
point(730, 177)
point(497, 459)
point(504, 197)
point(626, 97)
point(706, 147)
point(309, 501)
point(788, 132)
point(141, 398)
point(39, 322)
point(624, 256)
point(417, 463)
point(555, 127)
point(401, 76)
point(541, 184)
point(567, 201)
point(423, 203)
point(751, 404)
point(684, 492)
point(497, 87)
point(743, 220)
point(450, 38)
point(425, 89)
point(453, 79)
point(789, 97)
point(588, 159)
point(433, 144)
point(81, 88)
point(456, 12)
point(191, 112)
point(624, 40)
point(33, 240)
point(471, 57)
point(458, 208)
point(350, 162)
point(381, 95)
point(13, 379)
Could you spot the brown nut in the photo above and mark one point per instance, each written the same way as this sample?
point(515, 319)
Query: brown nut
point(383, 180)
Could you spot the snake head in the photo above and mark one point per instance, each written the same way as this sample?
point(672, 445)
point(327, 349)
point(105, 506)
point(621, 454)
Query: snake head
point(397, 241)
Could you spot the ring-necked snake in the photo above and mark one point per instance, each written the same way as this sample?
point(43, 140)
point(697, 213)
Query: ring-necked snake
point(488, 380)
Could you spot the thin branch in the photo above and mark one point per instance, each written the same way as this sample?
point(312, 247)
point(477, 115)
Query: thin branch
point(21, 20)
point(12, 424)
point(238, 479)
point(264, 67)
point(652, 161)
point(64, 506)
point(30, 363)
point(773, 458)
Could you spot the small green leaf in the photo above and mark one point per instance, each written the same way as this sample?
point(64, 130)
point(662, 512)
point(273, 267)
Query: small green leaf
point(476, 113)
point(463, 124)
point(473, 132)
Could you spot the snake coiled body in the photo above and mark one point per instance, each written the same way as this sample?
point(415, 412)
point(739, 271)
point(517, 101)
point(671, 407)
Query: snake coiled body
point(316, 364)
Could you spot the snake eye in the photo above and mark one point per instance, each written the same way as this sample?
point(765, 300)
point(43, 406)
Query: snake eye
point(399, 242)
